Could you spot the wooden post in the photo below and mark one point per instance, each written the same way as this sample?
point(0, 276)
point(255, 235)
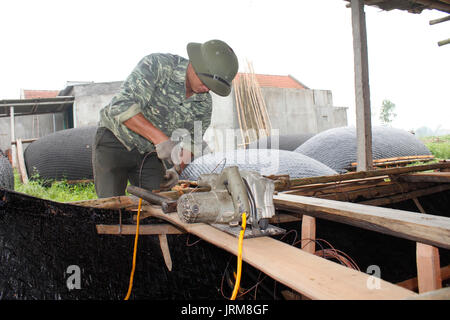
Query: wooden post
point(309, 234)
point(13, 137)
point(165, 251)
point(21, 162)
point(362, 92)
point(428, 264)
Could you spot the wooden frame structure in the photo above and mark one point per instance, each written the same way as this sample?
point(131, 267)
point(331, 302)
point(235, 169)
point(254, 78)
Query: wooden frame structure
point(317, 198)
point(361, 65)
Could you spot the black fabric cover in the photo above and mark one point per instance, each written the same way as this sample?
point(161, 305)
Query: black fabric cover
point(264, 161)
point(6, 173)
point(336, 147)
point(63, 154)
point(288, 142)
point(40, 239)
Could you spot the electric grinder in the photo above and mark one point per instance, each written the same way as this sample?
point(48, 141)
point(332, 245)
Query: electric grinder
point(232, 193)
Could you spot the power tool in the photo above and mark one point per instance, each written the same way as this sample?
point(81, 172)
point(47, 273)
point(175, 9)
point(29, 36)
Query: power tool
point(233, 193)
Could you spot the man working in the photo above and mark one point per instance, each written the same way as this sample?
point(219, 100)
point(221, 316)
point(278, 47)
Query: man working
point(163, 93)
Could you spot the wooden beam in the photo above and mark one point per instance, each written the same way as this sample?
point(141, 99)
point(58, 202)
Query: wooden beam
point(429, 229)
point(119, 202)
point(443, 42)
point(442, 177)
point(308, 274)
point(440, 294)
point(130, 229)
point(308, 234)
point(370, 191)
point(25, 140)
point(281, 185)
point(165, 250)
point(362, 91)
point(284, 218)
point(397, 161)
point(428, 267)
point(438, 5)
point(440, 20)
point(412, 284)
point(405, 196)
point(428, 263)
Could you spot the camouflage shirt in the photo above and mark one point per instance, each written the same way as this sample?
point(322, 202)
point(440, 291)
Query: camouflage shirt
point(156, 88)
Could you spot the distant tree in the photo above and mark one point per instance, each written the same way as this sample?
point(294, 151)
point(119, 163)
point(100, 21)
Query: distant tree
point(387, 113)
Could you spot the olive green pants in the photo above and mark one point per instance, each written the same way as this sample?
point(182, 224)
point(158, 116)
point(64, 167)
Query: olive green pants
point(114, 166)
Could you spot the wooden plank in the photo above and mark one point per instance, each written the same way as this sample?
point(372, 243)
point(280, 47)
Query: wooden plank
point(389, 160)
point(25, 140)
point(119, 202)
point(440, 177)
point(428, 263)
point(405, 196)
point(362, 91)
point(380, 190)
point(165, 251)
point(284, 218)
point(337, 187)
point(315, 277)
point(281, 185)
point(439, 20)
point(308, 234)
point(440, 294)
point(21, 162)
point(412, 284)
point(130, 229)
point(428, 268)
point(425, 228)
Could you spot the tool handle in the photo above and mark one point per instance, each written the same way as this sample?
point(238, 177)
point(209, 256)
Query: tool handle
point(167, 205)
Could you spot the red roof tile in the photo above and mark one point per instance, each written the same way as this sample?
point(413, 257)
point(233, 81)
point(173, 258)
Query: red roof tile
point(33, 94)
point(276, 81)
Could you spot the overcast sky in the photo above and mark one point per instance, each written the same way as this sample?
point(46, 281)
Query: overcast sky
point(46, 43)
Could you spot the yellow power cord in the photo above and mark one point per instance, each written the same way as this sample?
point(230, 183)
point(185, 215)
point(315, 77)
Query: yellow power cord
point(239, 257)
point(239, 262)
point(134, 251)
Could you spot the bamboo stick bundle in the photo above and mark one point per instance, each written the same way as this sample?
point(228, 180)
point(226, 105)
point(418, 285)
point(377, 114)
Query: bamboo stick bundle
point(261, 102)
point(252, 113)
point(239, 111)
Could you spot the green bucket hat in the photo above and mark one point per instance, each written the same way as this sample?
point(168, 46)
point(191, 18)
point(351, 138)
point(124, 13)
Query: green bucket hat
point(215, 63)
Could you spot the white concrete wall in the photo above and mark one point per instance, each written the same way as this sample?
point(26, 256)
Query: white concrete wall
point(291, 111)
point(89, 99)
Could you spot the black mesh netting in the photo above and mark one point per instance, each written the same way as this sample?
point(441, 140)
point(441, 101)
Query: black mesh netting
point(6, 173)
point(40, 239)
point(264, 161)
point(63, 154)
point(288, 142)
point(336, 147)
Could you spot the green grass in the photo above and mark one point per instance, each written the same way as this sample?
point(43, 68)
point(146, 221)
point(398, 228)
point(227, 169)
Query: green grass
point(59, 191)
point(439, 146)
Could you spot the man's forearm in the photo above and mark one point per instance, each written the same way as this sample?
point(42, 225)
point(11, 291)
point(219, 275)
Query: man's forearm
point(145, 128)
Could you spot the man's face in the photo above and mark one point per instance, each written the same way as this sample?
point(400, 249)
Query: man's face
point(194, 81)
